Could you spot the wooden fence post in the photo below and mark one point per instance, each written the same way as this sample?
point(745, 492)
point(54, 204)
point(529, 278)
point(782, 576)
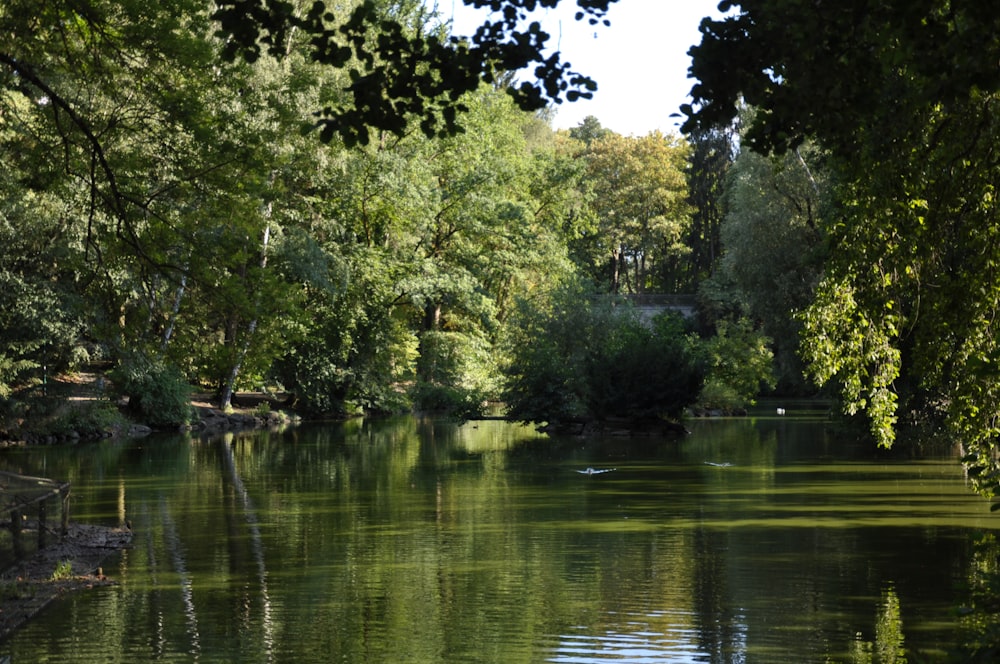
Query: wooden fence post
point(42, 518)
point(15, 530)
point(64, 527)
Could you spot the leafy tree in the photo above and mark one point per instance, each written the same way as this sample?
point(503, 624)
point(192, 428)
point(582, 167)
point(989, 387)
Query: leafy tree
point(157, 393)
point(42, 316)
point(640, 199)
point(589, 130)
point(399, 74)
point(415, 248)
point(772, 241)
point(166, 162)
point(902, 96)
point(711, 157)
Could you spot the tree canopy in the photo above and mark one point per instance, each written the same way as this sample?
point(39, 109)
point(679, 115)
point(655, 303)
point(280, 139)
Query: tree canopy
point(902, 97)
point(169, 214)
point(830, 69)
point(398, 74)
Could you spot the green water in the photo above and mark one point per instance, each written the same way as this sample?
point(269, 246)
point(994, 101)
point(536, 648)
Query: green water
point(425, 541)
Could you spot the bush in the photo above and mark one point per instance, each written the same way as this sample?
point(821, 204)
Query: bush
point(158, 393)
point(55, 415)
point(91, 418)
point(740, 364)
point(583, 359)
point(462, 360)
point(447, 400)
point(643, 373)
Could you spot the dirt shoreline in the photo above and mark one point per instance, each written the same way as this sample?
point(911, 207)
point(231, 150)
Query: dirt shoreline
point(30, 585)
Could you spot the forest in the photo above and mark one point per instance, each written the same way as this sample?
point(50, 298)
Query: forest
point(347, 204)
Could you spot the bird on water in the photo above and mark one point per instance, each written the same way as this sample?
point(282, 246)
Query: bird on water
point(591, 471)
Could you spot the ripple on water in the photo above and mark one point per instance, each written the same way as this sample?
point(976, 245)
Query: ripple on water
point(632, 638)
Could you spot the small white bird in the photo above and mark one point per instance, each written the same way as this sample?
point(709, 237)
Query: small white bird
point(724, 464)
point(591, 471)
point(781, 411)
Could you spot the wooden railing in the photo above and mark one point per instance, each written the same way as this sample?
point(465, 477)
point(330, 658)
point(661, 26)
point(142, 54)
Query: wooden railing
point(28, 504)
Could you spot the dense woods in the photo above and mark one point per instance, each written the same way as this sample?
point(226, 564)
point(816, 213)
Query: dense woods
point(353, 206)
point(181, 211)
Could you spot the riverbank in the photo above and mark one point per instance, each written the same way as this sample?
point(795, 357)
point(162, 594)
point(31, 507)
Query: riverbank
point(73, 563)
point(77, 407)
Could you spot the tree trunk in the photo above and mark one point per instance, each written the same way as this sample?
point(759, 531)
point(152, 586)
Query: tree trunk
point(225, 401)
point(615, 272)
point(169, 332)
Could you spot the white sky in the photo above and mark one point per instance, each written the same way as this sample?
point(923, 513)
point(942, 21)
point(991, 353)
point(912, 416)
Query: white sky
point(640, 63)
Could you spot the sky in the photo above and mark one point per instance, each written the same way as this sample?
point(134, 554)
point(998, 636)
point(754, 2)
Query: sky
point(640, 62)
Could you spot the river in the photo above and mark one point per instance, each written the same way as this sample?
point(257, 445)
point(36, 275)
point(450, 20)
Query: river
point(759, 539)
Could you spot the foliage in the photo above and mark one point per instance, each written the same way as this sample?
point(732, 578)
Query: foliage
point(740, 363)
point(580, 358)
point(448, 400)
point(642, 373)
point(397, 73)
point(459, 359)
point(589, 130)
point(829, 71)
point(772, 242)
point(52, 414)
point(458, 373)
point(157, 393)
point(41, 331)
point(63, 571)
point(710, 160)
point(902, 98)
point(164, 210)
point(639, 196)
point(90, 418)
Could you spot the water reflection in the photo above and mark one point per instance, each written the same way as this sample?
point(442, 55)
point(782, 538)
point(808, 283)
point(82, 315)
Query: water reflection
point(426, 541)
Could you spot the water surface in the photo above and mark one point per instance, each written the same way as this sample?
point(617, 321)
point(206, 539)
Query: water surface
point(750, 540)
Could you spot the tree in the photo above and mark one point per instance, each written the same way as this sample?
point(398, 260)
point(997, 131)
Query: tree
point(739, 364)
point(773, 246)
point(902, 95)
point(712, 155)
point(640, 200)
point(589, 130)
point(165, 161)
point(399, 74)
point(419, 248)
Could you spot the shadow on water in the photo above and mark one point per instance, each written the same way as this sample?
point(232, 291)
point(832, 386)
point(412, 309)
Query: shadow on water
point(416, 540)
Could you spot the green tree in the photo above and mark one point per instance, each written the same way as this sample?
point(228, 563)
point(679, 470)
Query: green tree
point(400, 75)
point(711, 157)
point(639, 196)
point(772, 242)
point(739, 364)
point(421, 247)
point(901, 95)
point(589, 130)
point(165, 159)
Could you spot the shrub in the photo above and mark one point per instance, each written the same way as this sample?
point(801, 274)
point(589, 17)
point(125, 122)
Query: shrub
point(585, 359)
point(457, 372)
point(157, 393)
point(447, 400)
point(740, 364)
point(63, 571)
point(88, 418)
point(643, 373)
